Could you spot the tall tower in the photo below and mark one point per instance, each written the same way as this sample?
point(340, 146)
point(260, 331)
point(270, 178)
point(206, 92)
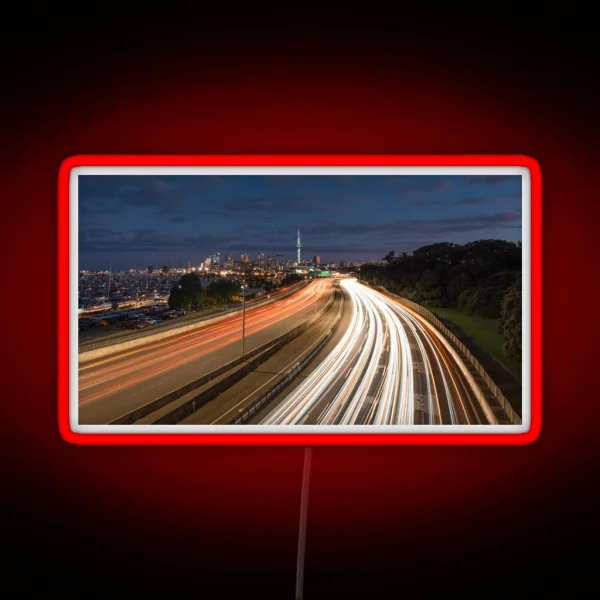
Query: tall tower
point(298, 246)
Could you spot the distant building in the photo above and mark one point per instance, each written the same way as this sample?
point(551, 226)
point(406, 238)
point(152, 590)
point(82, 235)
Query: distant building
point(317, 260)
point(216, 258)
point(207, 263)
point(245, 258)
point(228, 261)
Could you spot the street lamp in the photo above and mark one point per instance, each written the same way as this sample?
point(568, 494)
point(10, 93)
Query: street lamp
point(243, 319)
point(244, 287)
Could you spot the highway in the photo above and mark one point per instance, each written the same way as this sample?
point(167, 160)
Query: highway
point(389, 367)
point(116, 385)
point(242, 394)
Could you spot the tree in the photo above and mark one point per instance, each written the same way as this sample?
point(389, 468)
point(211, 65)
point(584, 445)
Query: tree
point(439, 274)
point(186, 293)
point(114, 305)
point(486, 299)
point(222, 290)
point(510, 325)
point(292, 278)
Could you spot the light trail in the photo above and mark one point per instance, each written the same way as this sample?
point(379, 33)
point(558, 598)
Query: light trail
point(372, 376)
point(106, 376)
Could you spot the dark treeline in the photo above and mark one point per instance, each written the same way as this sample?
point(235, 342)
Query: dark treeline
point(480, 278)
point(189, 294)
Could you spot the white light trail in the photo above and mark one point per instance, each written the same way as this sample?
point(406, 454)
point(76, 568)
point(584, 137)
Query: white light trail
point(371, 374)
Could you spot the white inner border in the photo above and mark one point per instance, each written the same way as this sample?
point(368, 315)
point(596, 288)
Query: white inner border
point(298, 429)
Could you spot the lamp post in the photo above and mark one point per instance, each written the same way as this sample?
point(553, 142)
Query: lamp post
point(243, 320)
point(244, 286)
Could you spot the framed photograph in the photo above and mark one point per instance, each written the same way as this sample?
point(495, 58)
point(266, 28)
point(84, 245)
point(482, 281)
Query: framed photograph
point(299, 300)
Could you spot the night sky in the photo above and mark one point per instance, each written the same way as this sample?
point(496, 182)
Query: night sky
point(157, 220)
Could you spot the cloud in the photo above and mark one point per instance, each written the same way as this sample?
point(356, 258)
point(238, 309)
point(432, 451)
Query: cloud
point(99, 234)
point(411, 226)
point(472, 200)
point(100, 239)
point(492, 179)
point(306, 203)
point(161, 195)
point(320, 238)
point(417, 184)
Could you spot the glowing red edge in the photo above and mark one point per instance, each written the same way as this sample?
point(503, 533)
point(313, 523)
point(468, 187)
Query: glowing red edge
point(300, 439)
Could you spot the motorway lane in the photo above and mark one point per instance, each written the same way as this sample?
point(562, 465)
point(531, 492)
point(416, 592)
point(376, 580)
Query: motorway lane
point(241, 395)
point(98, 334)
point(114, 386)
point(327, 348)
point(389, 367)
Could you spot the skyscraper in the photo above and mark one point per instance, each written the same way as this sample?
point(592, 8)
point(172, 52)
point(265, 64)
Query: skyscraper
point(317, 260)
point(298, 246)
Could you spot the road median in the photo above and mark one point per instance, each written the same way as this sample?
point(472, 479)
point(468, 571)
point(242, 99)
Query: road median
point(222, 378)
point(264, 398)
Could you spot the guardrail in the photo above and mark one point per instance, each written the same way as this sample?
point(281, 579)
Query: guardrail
point(173, 328)
point(256, 356)
point(289, 376)
point(429, 316)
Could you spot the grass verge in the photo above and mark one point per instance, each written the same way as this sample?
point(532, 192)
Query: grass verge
point(485, 333)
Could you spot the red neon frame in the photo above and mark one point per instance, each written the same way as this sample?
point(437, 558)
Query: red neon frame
point(279, 439)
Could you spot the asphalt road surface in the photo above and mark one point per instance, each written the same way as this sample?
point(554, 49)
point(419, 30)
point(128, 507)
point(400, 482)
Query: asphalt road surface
point(240, 396)
point(114, 386)
point(386, 366)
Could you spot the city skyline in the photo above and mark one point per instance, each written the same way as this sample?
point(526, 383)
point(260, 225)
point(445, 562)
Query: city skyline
point(156, 220)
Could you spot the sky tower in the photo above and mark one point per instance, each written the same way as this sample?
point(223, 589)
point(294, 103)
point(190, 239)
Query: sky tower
point(298, 246)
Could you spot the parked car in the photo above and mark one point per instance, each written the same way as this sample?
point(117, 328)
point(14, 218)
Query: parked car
point(135, 325)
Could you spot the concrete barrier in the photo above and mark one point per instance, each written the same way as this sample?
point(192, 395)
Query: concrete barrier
point(193, 404)
point(116, 346)
point(496, 392)
point(289, 376)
